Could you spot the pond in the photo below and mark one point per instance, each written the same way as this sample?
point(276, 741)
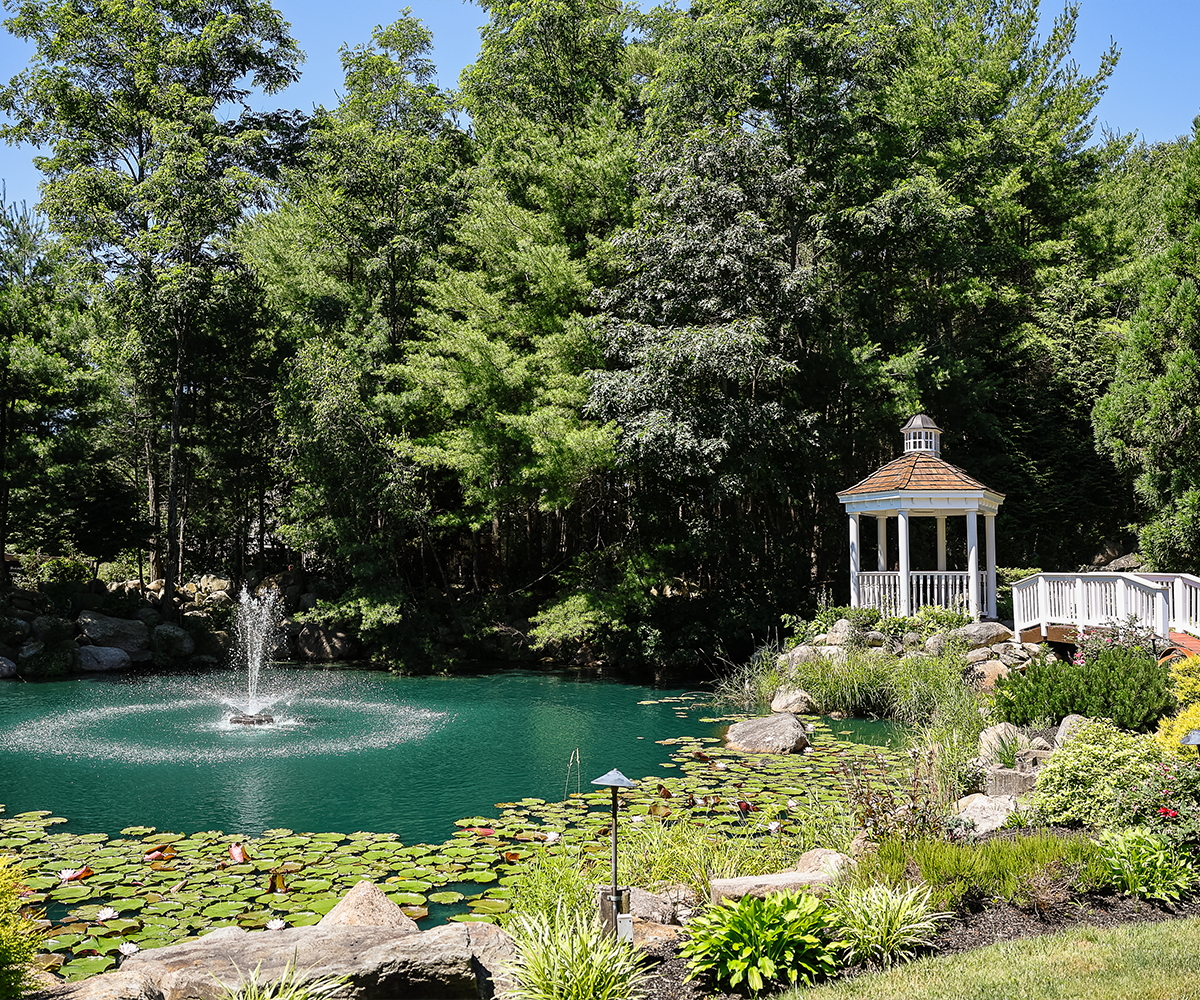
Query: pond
point(349, 750)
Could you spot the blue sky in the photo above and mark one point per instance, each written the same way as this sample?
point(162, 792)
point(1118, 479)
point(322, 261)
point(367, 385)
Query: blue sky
point(1155, 89)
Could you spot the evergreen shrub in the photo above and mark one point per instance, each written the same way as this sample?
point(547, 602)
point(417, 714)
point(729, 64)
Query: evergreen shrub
point(1085, 780)
point(1118, 683)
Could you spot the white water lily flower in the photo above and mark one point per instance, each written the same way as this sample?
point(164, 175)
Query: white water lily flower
point(67, 873)
point(106, 913)
point(551, 837)
point(637, 819)
point(773, 826)
point(276, 924)
point(792, 804)
point(128, 948)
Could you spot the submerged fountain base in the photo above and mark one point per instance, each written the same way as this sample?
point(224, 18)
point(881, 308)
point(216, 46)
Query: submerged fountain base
point(259, 719)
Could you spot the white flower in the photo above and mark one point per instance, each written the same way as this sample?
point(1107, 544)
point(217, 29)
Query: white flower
point(637, 819)
point(773, 826)
point(552, 836)
point(67, 873)
point(276, 925)
point(106, 913)
point(128, 948)
point(719, 766)
point(792, 804)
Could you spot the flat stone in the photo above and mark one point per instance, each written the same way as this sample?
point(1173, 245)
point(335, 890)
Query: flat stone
point(100, 659)
point(118, 985)
point(795, 700)
point(1037, 743)
point(654, 936)
point(779, 733)
point(1005, 782)
point(823, 861)
point(989, 812)
point(979, 655)
point(366, 905)
point(978, 634)
point(764, 885)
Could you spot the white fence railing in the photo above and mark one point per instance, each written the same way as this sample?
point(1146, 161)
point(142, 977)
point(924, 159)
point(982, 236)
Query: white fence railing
point(1161, 602)
point(937, 589)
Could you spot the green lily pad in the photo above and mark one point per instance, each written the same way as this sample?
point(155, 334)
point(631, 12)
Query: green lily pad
point(81, 968)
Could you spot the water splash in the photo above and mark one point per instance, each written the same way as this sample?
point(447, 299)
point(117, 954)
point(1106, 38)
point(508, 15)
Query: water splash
point(256, 630)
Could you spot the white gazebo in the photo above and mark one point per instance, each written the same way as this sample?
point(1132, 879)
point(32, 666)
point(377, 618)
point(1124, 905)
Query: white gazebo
point(920, 484)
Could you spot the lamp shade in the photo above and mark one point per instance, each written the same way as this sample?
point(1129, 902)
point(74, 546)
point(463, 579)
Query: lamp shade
point(615, 779)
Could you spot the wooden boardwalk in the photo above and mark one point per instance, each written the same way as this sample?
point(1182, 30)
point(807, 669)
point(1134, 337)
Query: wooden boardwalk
point(1185, 641)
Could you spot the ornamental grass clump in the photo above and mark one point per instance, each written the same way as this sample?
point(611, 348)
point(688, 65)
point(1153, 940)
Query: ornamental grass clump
point(19, 936)
point(568, 956)
point(756, 944)
point(882, 924)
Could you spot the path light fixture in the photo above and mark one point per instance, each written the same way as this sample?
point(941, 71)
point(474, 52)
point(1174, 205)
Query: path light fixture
point(1192, 740)
point(614, 912)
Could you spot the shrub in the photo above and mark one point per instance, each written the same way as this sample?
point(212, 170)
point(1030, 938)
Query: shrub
point(1083, 781)
point(569, 957)
point(905, 806)
point(1168, 802)
point(784, 937)
point(1143, 864)
point(1185, 681)
point(19, 936)
point(1173, 728)
point(882, 924)
point(1116, 683)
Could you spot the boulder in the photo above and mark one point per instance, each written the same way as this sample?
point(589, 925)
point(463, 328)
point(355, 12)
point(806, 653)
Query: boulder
point(7, 667)
point(50, 629)
point(779, 733)
point(316, 643)
point(220, 597)
point(15, 630)
point(214, 644)
point(1123, 563)
point(815, 871)
point(795, 700)
point(912, 639)
point(978, 634)
point(936, 645)
point(1006, 782)
point(980, 655)
point(454, 960)
point(212, 584)
point(366, 905)
point(119, 985)
point(874, 638)
point(841, 633)
point(148, 615)
point(992, 737)
point(643, 905)
point(172, 642)
point(655, 937)
point(989, 812)
point(119, 632)
point(39, 659)
point(1066, 728)
point(100, 659)
point(988, 672)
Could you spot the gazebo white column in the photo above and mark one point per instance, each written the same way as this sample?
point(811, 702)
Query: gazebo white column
point(941, 544)
point(989, 530)
point(905, 571)
point(881, 542)
point(854, 561)
point(972, 564)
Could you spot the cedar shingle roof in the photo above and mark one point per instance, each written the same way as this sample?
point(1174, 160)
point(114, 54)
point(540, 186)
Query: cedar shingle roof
point(917, 471)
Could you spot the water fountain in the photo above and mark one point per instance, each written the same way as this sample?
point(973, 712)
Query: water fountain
point(257, 624)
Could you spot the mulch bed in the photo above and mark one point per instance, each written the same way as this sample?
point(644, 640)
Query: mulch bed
point(991, 924)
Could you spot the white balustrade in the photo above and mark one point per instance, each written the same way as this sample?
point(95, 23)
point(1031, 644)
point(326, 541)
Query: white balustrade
point(936, 589)
point(1158, 601)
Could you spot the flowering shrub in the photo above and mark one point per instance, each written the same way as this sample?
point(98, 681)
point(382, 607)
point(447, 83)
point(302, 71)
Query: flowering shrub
point(1167, 802)
point(1130, 635)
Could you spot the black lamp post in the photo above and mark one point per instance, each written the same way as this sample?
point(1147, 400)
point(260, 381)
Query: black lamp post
point(622, 928)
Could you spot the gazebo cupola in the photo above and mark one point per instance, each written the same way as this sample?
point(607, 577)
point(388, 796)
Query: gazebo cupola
point(921, 484)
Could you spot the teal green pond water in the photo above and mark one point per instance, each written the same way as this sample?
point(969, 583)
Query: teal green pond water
point(348, 751)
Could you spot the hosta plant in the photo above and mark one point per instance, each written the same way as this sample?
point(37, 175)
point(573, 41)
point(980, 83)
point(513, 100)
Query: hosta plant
point(754, 943)
point(568, 956)
point(882, 924)
point(1144, 864)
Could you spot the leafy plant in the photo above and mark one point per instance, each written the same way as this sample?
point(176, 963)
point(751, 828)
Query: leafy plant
point(1185, 681)
point(1144, 864)
point(783, 937)
point(1082, 783)
point(286, 987)
point(1175, 727)
point(19, 936)
point(1168, 802)
point(1005, 751)
point(1115, 682)
point(906, 806)
point(882, 924)
point(565, 956)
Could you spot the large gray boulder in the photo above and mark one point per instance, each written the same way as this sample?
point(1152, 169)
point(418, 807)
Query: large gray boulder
point(366, 905)
point(795, 700)
point(103, 630)
point(316, 643)
point(173, 642)
point(7, 667)
point(989, 812)
point(119, 985)
point(779, 733)
point(50, 629)
point(978, 634)
point(454, 960)
point(100, 659)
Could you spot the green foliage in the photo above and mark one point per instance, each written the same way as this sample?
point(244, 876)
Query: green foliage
point(1185, 681)
point(1144, 864)
point(59, 569)
point(785, 937)
point(376, 614)
point(1173, 728)
point(19, 937)
point(577, 617)
point(557, 884)
point(1085, 779)
point(903, 806)
point(568, 956)
point(1167, 802)
point(966, 874)
point(289, 986)
point(1122, 684)
point(882, 924)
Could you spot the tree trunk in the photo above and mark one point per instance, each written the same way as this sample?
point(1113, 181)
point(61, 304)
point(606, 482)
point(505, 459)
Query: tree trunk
point(154, 553)
point(174, 471)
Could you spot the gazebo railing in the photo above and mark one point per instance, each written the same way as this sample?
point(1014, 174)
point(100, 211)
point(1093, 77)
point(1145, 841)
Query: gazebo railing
point(938, 589)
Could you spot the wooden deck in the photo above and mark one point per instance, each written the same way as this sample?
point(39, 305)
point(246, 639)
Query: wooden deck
point(1185, 641)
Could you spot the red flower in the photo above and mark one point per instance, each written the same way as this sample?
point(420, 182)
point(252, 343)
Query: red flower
point(1169, 813)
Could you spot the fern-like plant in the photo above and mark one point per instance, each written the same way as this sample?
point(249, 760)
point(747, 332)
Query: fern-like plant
point(19, 936)
point(568, 956)
point(286, 987)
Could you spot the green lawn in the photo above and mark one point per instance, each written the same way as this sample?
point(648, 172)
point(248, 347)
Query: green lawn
point(1133, 962)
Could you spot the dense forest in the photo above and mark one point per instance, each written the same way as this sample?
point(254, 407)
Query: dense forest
point(587, 346)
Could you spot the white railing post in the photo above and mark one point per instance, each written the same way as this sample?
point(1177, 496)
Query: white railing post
point(902, 544)
point(1163, 607)
point(1179, 615)
point(854, 562)
point(1081, 617)
point(1121, 589)
point(973, 564)
point(1043, 602)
